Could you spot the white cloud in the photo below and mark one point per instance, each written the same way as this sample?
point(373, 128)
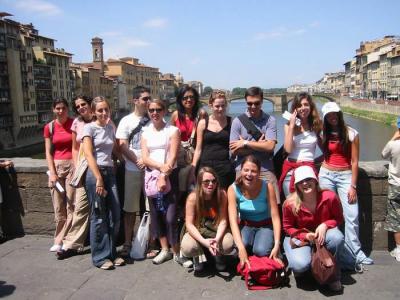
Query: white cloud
point(40, 7)
point(314, 24)
point(278, 33)
point(156, 23)
point(120, 46)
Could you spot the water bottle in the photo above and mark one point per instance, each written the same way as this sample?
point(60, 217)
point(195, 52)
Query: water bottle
point(159, 202)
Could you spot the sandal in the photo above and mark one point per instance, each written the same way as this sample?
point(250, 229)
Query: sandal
point(125, 251)
point(152, 253)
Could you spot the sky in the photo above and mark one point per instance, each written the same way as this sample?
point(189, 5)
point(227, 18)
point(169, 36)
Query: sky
point(224, 44)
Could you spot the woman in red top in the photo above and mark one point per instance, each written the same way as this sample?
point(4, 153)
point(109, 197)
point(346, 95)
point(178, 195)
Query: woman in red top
point(339, 173)
point(311, 215)
point(207, 221)
point(58, 143)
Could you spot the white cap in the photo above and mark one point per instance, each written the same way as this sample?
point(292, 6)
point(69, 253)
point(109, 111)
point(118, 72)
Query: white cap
point(329, 107)
point(302, 173)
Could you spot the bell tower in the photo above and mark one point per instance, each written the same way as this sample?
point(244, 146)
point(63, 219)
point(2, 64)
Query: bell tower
point(97, 51)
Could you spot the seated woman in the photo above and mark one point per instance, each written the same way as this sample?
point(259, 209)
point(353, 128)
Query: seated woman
point(311, 215)
point(253, 201)
point(206, 221)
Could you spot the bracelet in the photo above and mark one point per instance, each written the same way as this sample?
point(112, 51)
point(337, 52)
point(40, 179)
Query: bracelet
point(277, 242)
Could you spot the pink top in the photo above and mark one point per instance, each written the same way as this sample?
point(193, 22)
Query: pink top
point(62, 139)
point(77, 127)
point(185, 127)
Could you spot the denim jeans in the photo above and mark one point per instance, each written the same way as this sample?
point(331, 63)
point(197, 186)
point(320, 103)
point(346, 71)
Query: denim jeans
point(104, 216)
point(260, 240)
point(286, 183)
point(300, 258)
point(340, 182)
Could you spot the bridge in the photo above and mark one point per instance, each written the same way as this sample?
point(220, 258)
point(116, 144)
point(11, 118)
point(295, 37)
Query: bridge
point(281, 101)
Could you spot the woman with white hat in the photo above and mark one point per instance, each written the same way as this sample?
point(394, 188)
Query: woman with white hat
point(311, 215)
point(339, 173)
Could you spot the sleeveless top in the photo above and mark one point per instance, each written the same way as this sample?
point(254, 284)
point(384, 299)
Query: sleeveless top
point(253, 209)
point(216, 144)
point(336, 156)
point(304, 145)
point(186, 127)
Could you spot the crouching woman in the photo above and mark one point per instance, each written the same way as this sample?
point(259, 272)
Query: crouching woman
point(311, 215)
point(206, 221)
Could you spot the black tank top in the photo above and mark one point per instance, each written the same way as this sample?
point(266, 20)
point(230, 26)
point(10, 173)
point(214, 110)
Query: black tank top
point(216, 144)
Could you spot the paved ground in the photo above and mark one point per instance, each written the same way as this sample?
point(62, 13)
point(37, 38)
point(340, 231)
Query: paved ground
point(29, 271)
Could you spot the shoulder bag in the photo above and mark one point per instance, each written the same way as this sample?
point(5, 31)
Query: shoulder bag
point(323, 265)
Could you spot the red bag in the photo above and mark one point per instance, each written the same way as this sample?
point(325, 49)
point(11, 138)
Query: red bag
point(264, 274)
point(323, 265)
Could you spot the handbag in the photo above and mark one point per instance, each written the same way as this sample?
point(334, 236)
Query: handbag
point(151, 178)
point(139, 244)
point(80, 170)
point(150, 183)
point(323, 265)
point(264, 273)
point(186, 150)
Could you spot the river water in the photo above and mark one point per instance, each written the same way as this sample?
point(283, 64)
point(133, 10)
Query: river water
point(373, 135)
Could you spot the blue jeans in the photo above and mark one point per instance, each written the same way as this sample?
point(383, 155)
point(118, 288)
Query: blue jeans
point(104, 216)
point(300, 258)
point(340, 182)
point(259, 240)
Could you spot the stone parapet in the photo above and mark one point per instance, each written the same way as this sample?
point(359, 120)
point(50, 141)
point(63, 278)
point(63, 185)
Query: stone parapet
point(37, 216)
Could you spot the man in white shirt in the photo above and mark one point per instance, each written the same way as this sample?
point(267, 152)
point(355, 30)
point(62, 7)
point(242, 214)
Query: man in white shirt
point(128, 133)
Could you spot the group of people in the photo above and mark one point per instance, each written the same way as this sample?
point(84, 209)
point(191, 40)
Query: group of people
point(215, 172)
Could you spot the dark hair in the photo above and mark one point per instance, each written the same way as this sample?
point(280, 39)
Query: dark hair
point(313, 118)
point(179, 98)
point(249, 158)
point(137, 91)
point(87, 99)
point(254, 91)
point(343, 135)
point(58, 101)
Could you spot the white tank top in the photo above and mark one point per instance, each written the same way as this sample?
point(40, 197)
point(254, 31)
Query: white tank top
point(304, 145)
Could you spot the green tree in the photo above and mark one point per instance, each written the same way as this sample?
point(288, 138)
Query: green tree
point(238, 91)
point(207, 90)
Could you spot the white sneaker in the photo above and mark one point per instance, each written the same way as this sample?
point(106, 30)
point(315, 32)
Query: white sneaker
point(55, 248)
point(395, 253)
point(163, 256)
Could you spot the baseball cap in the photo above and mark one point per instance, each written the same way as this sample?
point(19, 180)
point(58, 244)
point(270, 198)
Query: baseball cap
point(329, 107)
point(302, 173)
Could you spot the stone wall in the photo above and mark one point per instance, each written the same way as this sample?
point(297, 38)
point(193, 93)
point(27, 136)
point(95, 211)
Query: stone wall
point(35, 209)
point(370, 106)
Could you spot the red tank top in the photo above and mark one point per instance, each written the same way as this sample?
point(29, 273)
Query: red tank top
point(185, 127)
point(337, 157)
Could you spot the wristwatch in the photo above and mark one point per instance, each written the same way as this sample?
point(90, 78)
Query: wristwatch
point(245, 143)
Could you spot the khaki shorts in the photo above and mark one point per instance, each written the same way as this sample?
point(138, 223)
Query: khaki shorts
point(133, 190)
point(393, 209)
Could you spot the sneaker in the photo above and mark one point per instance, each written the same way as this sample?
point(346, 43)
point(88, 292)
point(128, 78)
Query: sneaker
point(119, 261)
point(335, 286)
point(395, 253)
point(66, 253)
point(367, 261)
point(107, 265)
point(183, 261)
point(55, 248)
point(220, 263)
point(163, 256)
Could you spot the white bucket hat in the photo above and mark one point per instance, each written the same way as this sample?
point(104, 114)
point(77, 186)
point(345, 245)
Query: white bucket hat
point(302, 173)
point(329, 107)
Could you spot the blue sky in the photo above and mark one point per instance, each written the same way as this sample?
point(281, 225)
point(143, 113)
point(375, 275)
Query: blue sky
point(221, 43)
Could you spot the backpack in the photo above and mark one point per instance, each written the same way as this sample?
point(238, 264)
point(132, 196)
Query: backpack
point(264, 273)
point(51, 132)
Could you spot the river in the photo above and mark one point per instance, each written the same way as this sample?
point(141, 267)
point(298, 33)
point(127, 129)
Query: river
point(373, 135)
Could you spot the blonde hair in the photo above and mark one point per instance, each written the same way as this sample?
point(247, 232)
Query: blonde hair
point(217, 94)
point(158, 102)
point(97, 100)
point(297, 197)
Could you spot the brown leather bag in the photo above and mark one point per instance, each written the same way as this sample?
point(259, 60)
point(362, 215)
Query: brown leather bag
point(323, 265)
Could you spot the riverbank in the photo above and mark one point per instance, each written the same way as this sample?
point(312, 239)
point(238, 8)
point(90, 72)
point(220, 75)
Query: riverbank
point(388, 119)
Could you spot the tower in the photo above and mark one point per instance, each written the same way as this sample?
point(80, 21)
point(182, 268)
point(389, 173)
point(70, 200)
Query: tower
point(97, 51)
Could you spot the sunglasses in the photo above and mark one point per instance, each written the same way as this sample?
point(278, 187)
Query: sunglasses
point(258, 103)
point(207, 182)
point(188, 97)
point(146, 98)
point(153, 110)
